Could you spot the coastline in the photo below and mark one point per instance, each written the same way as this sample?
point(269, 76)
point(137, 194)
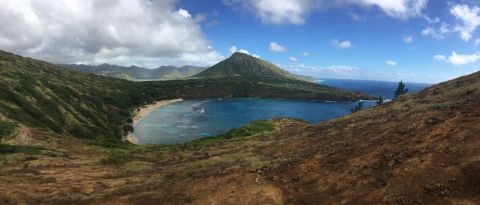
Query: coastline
point(145, 110)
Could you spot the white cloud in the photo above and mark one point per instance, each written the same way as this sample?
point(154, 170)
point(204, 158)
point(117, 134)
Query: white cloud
point(341, 44)
point(296, 11)
point(437, 33)
point(306, 54)
point(469, 17)
point(293, 59)
point(357, 17)
point(275, 47)
point(280, 11)
point(234, 49)
point(477, 41)
point(440, 58)
point(391, 63)
point(459, 59)
point(350, 72)
point(244, 51)
point(398, 8)
point(184, 13)
point(144, 33)
point(408, 39)
point(342, 69)
point(431, 20)
point(339, 70)
point(207, 19)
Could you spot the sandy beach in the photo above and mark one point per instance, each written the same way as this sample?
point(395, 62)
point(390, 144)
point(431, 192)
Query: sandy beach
point(144, 111)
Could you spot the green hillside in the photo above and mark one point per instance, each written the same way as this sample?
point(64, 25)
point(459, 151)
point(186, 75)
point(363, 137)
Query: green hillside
point(240, 64)
point(42, 95)
point(243, 87)
point(135, 73)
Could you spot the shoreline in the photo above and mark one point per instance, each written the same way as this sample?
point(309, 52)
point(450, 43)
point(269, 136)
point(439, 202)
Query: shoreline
point(145, 110)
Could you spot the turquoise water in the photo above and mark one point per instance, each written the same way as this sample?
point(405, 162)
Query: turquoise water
point(193, 119)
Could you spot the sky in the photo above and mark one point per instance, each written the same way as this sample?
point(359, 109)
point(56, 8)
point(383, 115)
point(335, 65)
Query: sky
point(412, 40)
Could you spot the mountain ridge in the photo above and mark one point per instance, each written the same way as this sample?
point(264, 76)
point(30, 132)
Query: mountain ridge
point(136, 73)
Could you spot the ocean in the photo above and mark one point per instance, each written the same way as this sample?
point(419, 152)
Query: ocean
point(193, 119)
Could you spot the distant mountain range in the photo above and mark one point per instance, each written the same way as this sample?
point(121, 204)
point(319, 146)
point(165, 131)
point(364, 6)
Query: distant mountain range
point(237, 65)
point(240, 64)
point(135, 73)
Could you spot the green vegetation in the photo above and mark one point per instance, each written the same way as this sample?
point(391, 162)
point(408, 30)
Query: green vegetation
point(38, 94)
point(357, 107)
point(249, 130)
point(7, 129)
point(239, 86)
point(122, 153)
point(380, 100)
point(9, 149)
point(400, 89)
point(135, 73)
point(111, 143)
point(46, 97)
point(240, 64)
point(117, 158)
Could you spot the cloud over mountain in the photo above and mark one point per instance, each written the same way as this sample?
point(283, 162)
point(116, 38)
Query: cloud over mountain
point(124, 32)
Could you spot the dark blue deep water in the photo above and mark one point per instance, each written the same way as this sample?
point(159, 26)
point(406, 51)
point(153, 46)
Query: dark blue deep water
point(371, 87)
point(193, 119)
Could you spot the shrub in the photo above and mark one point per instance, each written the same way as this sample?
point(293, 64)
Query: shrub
point(380, 100)
point(357, 107)
point(400, 89)
point(117, 158)
point(250, 129)
point(7, 129)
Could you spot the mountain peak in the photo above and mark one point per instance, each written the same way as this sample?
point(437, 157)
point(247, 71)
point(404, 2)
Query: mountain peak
point(240, 54)
point(242, 64)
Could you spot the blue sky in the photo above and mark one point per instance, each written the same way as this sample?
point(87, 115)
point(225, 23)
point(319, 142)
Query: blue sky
point(412, 40)
point(375, 38)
